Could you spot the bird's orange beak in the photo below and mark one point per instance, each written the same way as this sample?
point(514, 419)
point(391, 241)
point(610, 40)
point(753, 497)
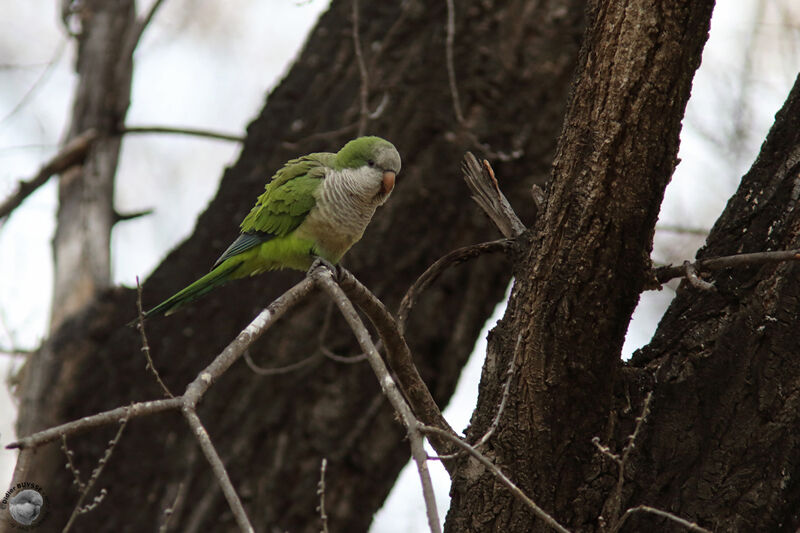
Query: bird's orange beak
point(388, 181)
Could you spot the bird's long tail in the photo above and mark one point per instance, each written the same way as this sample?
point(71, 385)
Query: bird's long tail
point(210, 281)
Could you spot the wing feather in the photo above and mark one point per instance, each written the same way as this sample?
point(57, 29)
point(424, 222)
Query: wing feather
point(287, 199)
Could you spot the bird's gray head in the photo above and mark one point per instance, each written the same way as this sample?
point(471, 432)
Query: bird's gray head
point(375, 153)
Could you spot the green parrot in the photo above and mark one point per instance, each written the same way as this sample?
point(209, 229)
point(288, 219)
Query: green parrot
point(315, 207)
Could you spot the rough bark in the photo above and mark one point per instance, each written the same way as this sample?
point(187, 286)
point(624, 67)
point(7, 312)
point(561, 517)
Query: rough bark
point(721, 445)
point(579, 280)
point(513, 61)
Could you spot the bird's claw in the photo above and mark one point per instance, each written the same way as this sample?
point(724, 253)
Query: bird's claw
point(319, 261)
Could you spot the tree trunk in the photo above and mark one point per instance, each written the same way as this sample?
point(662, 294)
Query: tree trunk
point(513, 63)
point(81, 246)
point(722, 443)
point(719, 446)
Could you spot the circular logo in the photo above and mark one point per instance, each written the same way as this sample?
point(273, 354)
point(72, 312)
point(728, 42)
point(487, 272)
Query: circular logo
point(26, 504)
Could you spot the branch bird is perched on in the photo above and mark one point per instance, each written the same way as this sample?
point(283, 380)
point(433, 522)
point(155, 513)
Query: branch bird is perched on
point(316, 206)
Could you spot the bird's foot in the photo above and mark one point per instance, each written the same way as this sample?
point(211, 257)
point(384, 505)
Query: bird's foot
point(319, 261)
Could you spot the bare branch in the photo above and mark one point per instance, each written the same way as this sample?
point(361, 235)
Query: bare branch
point(254, 330)
point(144, 21)
point(691, 526)
point(346, 359)
point(208, 134)
point(497, 473)
point(321, 491)
point(76, 474)
point(399, 356)
point(141, 25)
point(323, 277)
point(681, 229)
point(261, 371)
point(71, 154)
point(39, 82)
point(451, 70)
point(504, 399)
point(486, 193)
point(105, 418)
point(433, 272)
point(622, 460)
point(194, 391)
point(218, 468)
point(177, 503)
point(93, 479)
point(666, 273)
point(145, 345)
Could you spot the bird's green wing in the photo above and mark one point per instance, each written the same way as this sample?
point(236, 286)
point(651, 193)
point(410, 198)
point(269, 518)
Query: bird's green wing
point(287, 199)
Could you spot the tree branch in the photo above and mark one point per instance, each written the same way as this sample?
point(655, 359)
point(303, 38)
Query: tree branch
point(218, 467)
point(486, 193)
point(196, 132)
point(663, 274)
point(433, 272)
point(71, 154)
point(324, 279)
point(399, 356)
point(691, 526)
point(105, 418)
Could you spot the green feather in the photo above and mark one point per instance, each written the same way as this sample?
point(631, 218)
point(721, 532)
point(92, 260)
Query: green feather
point(268, 240)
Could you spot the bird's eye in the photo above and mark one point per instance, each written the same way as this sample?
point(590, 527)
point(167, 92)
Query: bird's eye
point(371, 163)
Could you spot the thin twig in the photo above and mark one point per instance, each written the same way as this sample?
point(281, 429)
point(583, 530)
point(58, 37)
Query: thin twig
point(493, 427)
point(497, 473)
point(324, 279)
point(266, 318)
point(261, 371)
point(346, 359)
point(451, 70)
point(196, 132)
point(194, 391)
point(666, 273)
point(141, 24)
point(71, 154)
point(622, 460)
point(105, 418)
point(433, 272)
point(93, 479)
point(39, 82)
point(76, 474)
point(456, 100)
point(363, 113)
point(691, 526)
point(506, 393)
point(190, 398)
point(145, 345)
point(169, 512)
point(321, 492)
point(486, 192)
point(323, 332)
point(218, 468)
point(701, 232)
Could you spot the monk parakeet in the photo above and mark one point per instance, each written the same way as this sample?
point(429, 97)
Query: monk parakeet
point(316, 206)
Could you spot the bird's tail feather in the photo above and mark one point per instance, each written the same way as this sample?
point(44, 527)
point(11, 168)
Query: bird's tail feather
point(213, 279)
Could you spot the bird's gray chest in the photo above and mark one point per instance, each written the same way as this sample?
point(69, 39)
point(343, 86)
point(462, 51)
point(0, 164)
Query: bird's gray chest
point(339, 218)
